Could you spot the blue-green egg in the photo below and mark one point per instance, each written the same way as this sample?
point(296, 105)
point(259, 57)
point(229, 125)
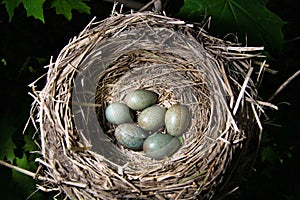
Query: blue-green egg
point(152, 118)
point(130, 136)
point(140, 99)
point(159, 146)
point(177, 119)
point(118, 113)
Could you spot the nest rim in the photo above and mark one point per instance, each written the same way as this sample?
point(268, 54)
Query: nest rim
point(115, 179)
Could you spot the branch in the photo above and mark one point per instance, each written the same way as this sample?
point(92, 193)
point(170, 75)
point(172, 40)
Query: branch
point(150, 3)
point(283, 85)
point(129, 3)
point(41, 178)
point(23, 171)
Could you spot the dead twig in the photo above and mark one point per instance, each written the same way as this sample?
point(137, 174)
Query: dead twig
point(283, 85)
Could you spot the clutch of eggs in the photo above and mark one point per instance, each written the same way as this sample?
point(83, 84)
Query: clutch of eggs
point(145, 134)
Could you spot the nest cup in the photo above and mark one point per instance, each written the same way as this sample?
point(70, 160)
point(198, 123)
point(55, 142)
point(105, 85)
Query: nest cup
point(182, 64)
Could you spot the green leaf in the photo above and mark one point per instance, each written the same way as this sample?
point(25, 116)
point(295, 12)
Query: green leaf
point(11, 5)
point(245, 17)
point(34, 8)
point(23, 182)
point(29, 143)
point(26, 163)
point(7, 150)
point(7, 146)
point(65, 7)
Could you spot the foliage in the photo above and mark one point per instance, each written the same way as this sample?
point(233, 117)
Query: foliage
point(248, 18)
point(35, 8)
point(16, 149)
point(65, 7)
point(7, 128)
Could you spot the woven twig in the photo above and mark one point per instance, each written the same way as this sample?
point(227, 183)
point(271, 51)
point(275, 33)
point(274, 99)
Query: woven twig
point(181, 63)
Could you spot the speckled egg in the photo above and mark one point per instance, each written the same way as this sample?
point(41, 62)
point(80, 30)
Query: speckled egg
point(140, 99)
point(118, 113)
point(177, 119)
point(159, 146)
point(152, 118)
point(130, 136)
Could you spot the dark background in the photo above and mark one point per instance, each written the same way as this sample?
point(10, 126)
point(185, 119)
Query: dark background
point(26, 45)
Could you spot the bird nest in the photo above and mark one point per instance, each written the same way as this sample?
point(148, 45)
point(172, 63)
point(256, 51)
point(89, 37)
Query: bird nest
point(80, 157)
